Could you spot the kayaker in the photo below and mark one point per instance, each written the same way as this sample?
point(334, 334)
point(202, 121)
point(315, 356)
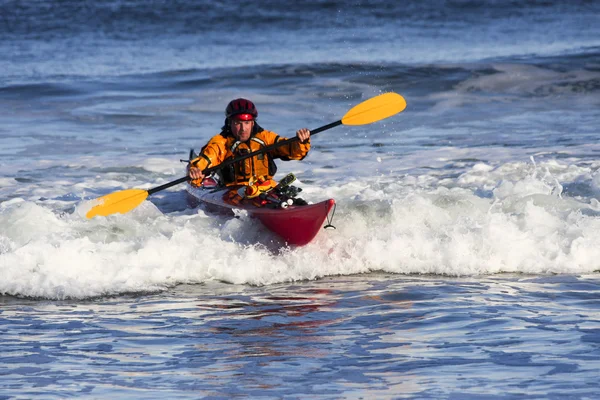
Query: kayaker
point(240, 135)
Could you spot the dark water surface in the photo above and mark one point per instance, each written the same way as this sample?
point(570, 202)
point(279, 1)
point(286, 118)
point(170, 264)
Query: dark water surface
point(368, 336)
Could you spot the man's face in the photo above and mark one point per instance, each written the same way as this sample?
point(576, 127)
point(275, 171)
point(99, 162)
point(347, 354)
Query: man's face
point(241, 129)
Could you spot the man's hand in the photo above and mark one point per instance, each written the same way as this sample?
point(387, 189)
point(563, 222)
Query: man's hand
point(196, 175)
point(303, 134)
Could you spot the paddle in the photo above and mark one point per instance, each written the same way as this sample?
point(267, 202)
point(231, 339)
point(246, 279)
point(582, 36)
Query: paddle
point(369, 111)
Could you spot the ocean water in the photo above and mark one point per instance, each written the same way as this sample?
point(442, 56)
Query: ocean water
point(466, 259)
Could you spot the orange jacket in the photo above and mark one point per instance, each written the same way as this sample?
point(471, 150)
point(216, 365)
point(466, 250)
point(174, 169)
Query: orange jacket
point(222, 147)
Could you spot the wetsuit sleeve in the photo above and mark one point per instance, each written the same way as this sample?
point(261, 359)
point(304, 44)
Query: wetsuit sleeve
point(292, 151)
point(212, 154)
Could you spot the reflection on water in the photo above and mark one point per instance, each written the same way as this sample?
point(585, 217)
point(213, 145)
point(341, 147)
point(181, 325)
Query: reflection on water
point(374, 335)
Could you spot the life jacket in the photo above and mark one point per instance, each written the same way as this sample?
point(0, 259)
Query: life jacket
point(225, 146)
point(258, 167)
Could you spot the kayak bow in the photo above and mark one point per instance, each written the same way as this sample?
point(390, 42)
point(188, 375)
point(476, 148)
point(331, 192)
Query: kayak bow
point(297, 225)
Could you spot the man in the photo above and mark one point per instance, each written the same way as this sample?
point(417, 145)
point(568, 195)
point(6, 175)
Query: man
point(241, 135)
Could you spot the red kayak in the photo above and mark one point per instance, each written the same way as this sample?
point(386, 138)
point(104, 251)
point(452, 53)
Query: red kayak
point(296, 224)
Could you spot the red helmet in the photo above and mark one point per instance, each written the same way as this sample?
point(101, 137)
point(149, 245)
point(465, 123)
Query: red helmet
point(243, 108)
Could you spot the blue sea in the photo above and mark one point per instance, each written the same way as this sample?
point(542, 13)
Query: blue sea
point(466, 259)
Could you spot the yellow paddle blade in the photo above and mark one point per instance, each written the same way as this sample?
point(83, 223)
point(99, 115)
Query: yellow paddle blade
point(375, 109)
point(117, 202)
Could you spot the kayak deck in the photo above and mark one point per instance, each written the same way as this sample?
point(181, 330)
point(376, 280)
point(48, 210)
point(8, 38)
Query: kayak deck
point(297, 224)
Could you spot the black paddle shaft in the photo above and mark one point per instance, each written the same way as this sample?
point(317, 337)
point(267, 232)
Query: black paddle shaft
point(241, 158)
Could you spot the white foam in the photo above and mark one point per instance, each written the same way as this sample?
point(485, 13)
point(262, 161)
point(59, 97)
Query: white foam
point(524, 225)
point(162, 166)
point(6, 182)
